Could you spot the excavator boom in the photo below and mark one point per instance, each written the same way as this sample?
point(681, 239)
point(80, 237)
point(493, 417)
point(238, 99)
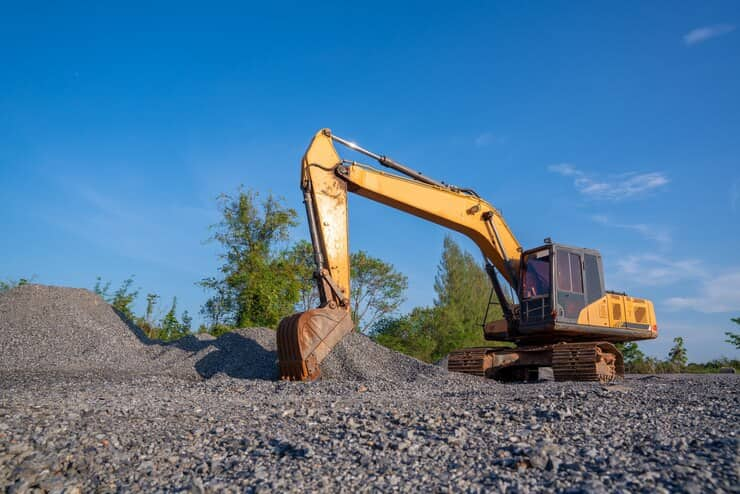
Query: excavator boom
point(305, 339)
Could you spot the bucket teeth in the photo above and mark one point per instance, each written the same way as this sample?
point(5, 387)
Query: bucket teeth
point(306, 338)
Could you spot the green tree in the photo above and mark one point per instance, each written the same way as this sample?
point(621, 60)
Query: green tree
point(677, 355)
point(10, 284)
point(171, 328)
point(377, 289)
point(258, 286)
point(463, 290)
point(734, 338)
point(102, 288)
point(633, 356)
point(218, 309)
point(413, 334)
point(122, 299)
point(301, 257)
point(187, 323)
point(151, 302)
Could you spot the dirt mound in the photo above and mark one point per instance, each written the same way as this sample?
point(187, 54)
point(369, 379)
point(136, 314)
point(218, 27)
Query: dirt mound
point(358, 358)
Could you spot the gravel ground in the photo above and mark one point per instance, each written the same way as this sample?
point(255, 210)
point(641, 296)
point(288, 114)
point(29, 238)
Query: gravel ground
point(657, 434)
point(89, 404)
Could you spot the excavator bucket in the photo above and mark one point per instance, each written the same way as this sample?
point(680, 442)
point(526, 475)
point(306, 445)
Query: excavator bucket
point(306, 338)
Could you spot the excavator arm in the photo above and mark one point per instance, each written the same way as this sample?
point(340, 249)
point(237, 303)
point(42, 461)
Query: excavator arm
point(305, 339)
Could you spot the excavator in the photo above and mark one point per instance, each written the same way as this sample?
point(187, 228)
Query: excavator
point(557, 312)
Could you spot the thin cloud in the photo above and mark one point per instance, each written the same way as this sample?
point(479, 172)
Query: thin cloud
point(657, 234)
point(623, 186)
point(717, 294)
point(701, 34)
point(143, 233)
point(653, 270)
point(485, 139)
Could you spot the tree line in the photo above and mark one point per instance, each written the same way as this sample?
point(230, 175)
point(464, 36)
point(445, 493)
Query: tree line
point(264, 276)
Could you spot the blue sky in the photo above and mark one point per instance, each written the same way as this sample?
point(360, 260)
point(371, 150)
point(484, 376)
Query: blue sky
point(611, 126)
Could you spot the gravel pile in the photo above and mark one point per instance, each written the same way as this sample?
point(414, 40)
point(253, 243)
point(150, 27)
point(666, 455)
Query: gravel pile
point(45, 329)
point(248, 353)
point(53, 329)
point(358, 358)
point(663, 434)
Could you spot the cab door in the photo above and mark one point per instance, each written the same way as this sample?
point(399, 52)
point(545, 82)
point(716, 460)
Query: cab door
point(569, 299)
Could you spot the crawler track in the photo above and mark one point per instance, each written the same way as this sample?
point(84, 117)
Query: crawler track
point(592, 361)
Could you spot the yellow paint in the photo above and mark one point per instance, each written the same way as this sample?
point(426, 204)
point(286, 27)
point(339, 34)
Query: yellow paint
point(455, 210)
point(616, 311)
point(328, 181)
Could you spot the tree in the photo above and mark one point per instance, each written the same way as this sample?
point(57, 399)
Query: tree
point(734, 338)
point(301, 257)
point(413, 334)
point(7, 285)
point(677, 355)
point(258, 286)
point(171, 328)
point(217, 309)
point(377, 289)
point(633, 356)
point(151, 302)
point(463, 290)
point(187, 323)
point(122, 299)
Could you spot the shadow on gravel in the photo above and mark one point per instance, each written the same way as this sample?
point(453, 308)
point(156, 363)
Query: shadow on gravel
point(231, 354)
point(239, 357)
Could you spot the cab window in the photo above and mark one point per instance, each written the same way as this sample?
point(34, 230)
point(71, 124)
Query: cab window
point(570, 274)
point(536, 274)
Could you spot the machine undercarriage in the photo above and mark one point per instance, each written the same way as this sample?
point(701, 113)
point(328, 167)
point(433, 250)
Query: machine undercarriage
point(590, 361)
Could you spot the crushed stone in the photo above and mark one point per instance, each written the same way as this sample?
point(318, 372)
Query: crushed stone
point(49, 329)
point(358, 358)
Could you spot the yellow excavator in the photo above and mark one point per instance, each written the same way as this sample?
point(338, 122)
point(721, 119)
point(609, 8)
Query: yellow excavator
point(558, 312)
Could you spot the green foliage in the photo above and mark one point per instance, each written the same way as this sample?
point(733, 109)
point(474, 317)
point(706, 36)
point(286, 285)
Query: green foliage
point(633, 357)
point(10, 284)
point(300, 256)
point(677, 355)
point(258, 286)
point(167, 329)
point(713, 366)
point(172, 329)
point(413, 334)
point(122, 299)
point(217, 309)
point(463, 290)
point(733, 338)
point(637, 363)
point(151, 302)
point(377, 289)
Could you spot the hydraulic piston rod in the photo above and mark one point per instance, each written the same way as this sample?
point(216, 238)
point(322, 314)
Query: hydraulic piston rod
point(389, 163)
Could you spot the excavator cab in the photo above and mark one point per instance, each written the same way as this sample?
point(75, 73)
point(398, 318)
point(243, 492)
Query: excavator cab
point(557, 283)
point(561, 290)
